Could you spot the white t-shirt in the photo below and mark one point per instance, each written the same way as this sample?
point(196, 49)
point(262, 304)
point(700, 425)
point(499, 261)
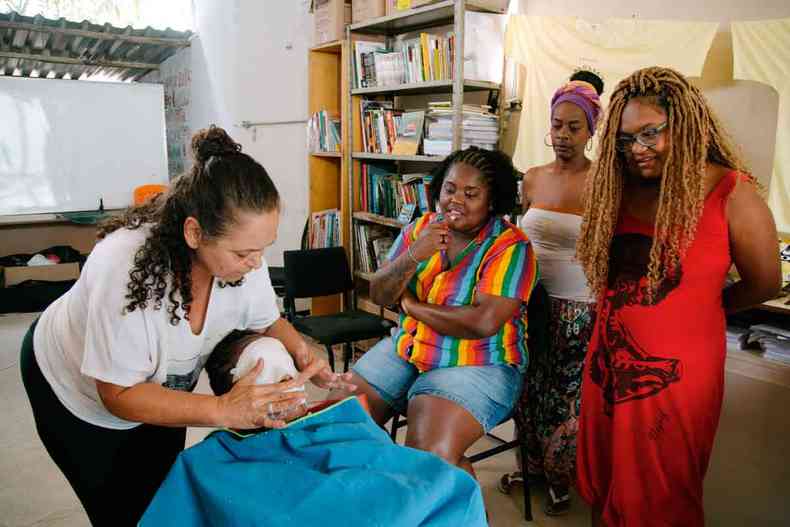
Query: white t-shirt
point(84, 334)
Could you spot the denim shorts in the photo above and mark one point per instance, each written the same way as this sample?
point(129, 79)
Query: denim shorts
point(487, 392)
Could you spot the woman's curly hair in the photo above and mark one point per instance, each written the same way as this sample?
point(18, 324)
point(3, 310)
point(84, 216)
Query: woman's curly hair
point(496, 168)
point(222, 182)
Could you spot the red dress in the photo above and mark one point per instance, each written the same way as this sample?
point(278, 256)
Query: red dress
point(654, 377)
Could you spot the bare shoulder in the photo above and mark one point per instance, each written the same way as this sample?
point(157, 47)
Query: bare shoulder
point(534, 175)
point(713, 176)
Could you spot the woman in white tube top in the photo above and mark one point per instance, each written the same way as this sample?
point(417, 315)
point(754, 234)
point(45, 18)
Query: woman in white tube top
point(546, 416)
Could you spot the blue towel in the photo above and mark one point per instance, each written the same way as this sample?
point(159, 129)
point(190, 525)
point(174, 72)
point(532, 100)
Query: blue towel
point(336, 467)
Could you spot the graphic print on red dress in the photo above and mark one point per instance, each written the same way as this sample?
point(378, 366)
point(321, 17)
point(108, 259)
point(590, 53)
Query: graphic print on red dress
point(620, 365)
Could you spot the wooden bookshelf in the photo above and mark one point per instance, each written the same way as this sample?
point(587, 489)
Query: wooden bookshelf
point(376, 218)
point(327, 87)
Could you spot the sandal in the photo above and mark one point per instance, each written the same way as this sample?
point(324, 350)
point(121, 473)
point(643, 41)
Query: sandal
point(506, 482)
point(557, 505)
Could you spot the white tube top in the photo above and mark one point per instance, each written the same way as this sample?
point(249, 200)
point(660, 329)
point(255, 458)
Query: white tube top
point(553, 236)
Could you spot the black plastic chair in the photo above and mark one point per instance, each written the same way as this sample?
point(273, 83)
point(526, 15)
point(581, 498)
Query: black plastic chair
point(322, 272)
point(538, 314)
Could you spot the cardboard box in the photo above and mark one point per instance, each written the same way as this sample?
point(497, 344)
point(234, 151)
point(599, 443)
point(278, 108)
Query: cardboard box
point(362, 10)
point(51, 273)
point(497, 6)
point(330, 18)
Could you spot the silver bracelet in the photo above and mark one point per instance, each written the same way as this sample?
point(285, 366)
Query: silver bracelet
point(413, 259)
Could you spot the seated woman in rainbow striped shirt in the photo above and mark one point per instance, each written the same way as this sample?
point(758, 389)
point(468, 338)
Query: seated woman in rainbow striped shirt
point(463, 277)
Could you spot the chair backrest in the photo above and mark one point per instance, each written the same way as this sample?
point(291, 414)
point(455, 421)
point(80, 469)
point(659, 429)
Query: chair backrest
point(316, 272)
point(144, 193)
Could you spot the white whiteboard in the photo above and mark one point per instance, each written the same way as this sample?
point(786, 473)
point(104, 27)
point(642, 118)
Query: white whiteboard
point(65, 144)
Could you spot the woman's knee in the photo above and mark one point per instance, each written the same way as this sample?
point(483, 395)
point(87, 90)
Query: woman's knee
point(442, 427)
point(380, 410)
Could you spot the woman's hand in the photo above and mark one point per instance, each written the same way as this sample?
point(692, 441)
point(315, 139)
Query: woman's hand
point(407, 301)
point(248, 405)
point(434, 237)
point(324, 376)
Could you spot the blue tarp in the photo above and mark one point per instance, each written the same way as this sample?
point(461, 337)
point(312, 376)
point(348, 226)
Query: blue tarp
point(333, 468)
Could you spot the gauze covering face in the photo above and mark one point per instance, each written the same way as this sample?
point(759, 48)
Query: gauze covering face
point(278, 365)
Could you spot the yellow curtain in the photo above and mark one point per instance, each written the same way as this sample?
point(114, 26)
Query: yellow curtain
point(761, 53)
point(552, 47)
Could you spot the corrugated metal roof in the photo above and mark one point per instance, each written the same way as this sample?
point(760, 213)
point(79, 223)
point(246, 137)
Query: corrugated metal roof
point(43, 47)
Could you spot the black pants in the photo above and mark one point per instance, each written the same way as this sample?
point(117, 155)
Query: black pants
point(114, 473)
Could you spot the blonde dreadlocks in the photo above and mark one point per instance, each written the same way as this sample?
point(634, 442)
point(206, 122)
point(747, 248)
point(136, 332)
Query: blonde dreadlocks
point(696, 138)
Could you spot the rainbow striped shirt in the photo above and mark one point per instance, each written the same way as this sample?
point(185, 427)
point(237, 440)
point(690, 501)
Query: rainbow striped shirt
point(500, 261)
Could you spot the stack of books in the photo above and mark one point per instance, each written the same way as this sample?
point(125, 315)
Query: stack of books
point(387, 130)
point(479, 128)
point(372, 244)
point(324, 230)
point(772, 341)
point(323, 132)
point(385, 193)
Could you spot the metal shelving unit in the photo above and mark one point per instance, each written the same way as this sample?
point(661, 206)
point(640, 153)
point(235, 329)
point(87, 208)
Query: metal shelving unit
point(447, 12)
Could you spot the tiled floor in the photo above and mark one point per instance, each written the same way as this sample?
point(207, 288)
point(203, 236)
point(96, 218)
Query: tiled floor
point(748, 482)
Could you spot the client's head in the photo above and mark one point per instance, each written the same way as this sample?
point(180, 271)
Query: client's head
point(238, 353)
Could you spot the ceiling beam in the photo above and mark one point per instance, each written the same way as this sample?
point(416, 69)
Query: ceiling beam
point(67, 60)
point(157, 41)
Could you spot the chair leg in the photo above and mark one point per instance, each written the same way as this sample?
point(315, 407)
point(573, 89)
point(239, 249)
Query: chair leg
point(525, 476)
point(348, 351)
point(331, 356)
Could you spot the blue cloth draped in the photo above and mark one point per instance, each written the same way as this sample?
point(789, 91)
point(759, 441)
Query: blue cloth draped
point(335, 467)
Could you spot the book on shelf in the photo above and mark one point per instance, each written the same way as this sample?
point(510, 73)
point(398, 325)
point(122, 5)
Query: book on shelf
point(384, 193)
point(373, 243)
point(388, 130)
point(323, 132)
point(324, 229)
point(408, 133)
point(364, 48)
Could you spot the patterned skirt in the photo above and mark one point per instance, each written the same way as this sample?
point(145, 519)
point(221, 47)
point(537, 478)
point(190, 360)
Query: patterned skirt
point(546, 416)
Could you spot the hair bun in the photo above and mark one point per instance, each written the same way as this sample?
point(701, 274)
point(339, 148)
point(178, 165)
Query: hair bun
point(590, 77)
point(212, 141)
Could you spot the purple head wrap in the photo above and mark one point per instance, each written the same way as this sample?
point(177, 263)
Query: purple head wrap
point(583, 95)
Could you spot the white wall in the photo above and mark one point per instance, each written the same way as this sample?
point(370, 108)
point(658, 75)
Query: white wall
point(747, 109)
point(249, 63)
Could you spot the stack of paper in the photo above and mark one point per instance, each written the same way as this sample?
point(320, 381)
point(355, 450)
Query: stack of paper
point(479, 128)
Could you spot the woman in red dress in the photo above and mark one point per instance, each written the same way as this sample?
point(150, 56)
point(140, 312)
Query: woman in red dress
point(669, 208)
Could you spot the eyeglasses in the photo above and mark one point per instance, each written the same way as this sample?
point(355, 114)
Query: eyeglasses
point(647, 138)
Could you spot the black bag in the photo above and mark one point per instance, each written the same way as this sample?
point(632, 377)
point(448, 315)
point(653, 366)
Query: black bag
point(32, 295)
